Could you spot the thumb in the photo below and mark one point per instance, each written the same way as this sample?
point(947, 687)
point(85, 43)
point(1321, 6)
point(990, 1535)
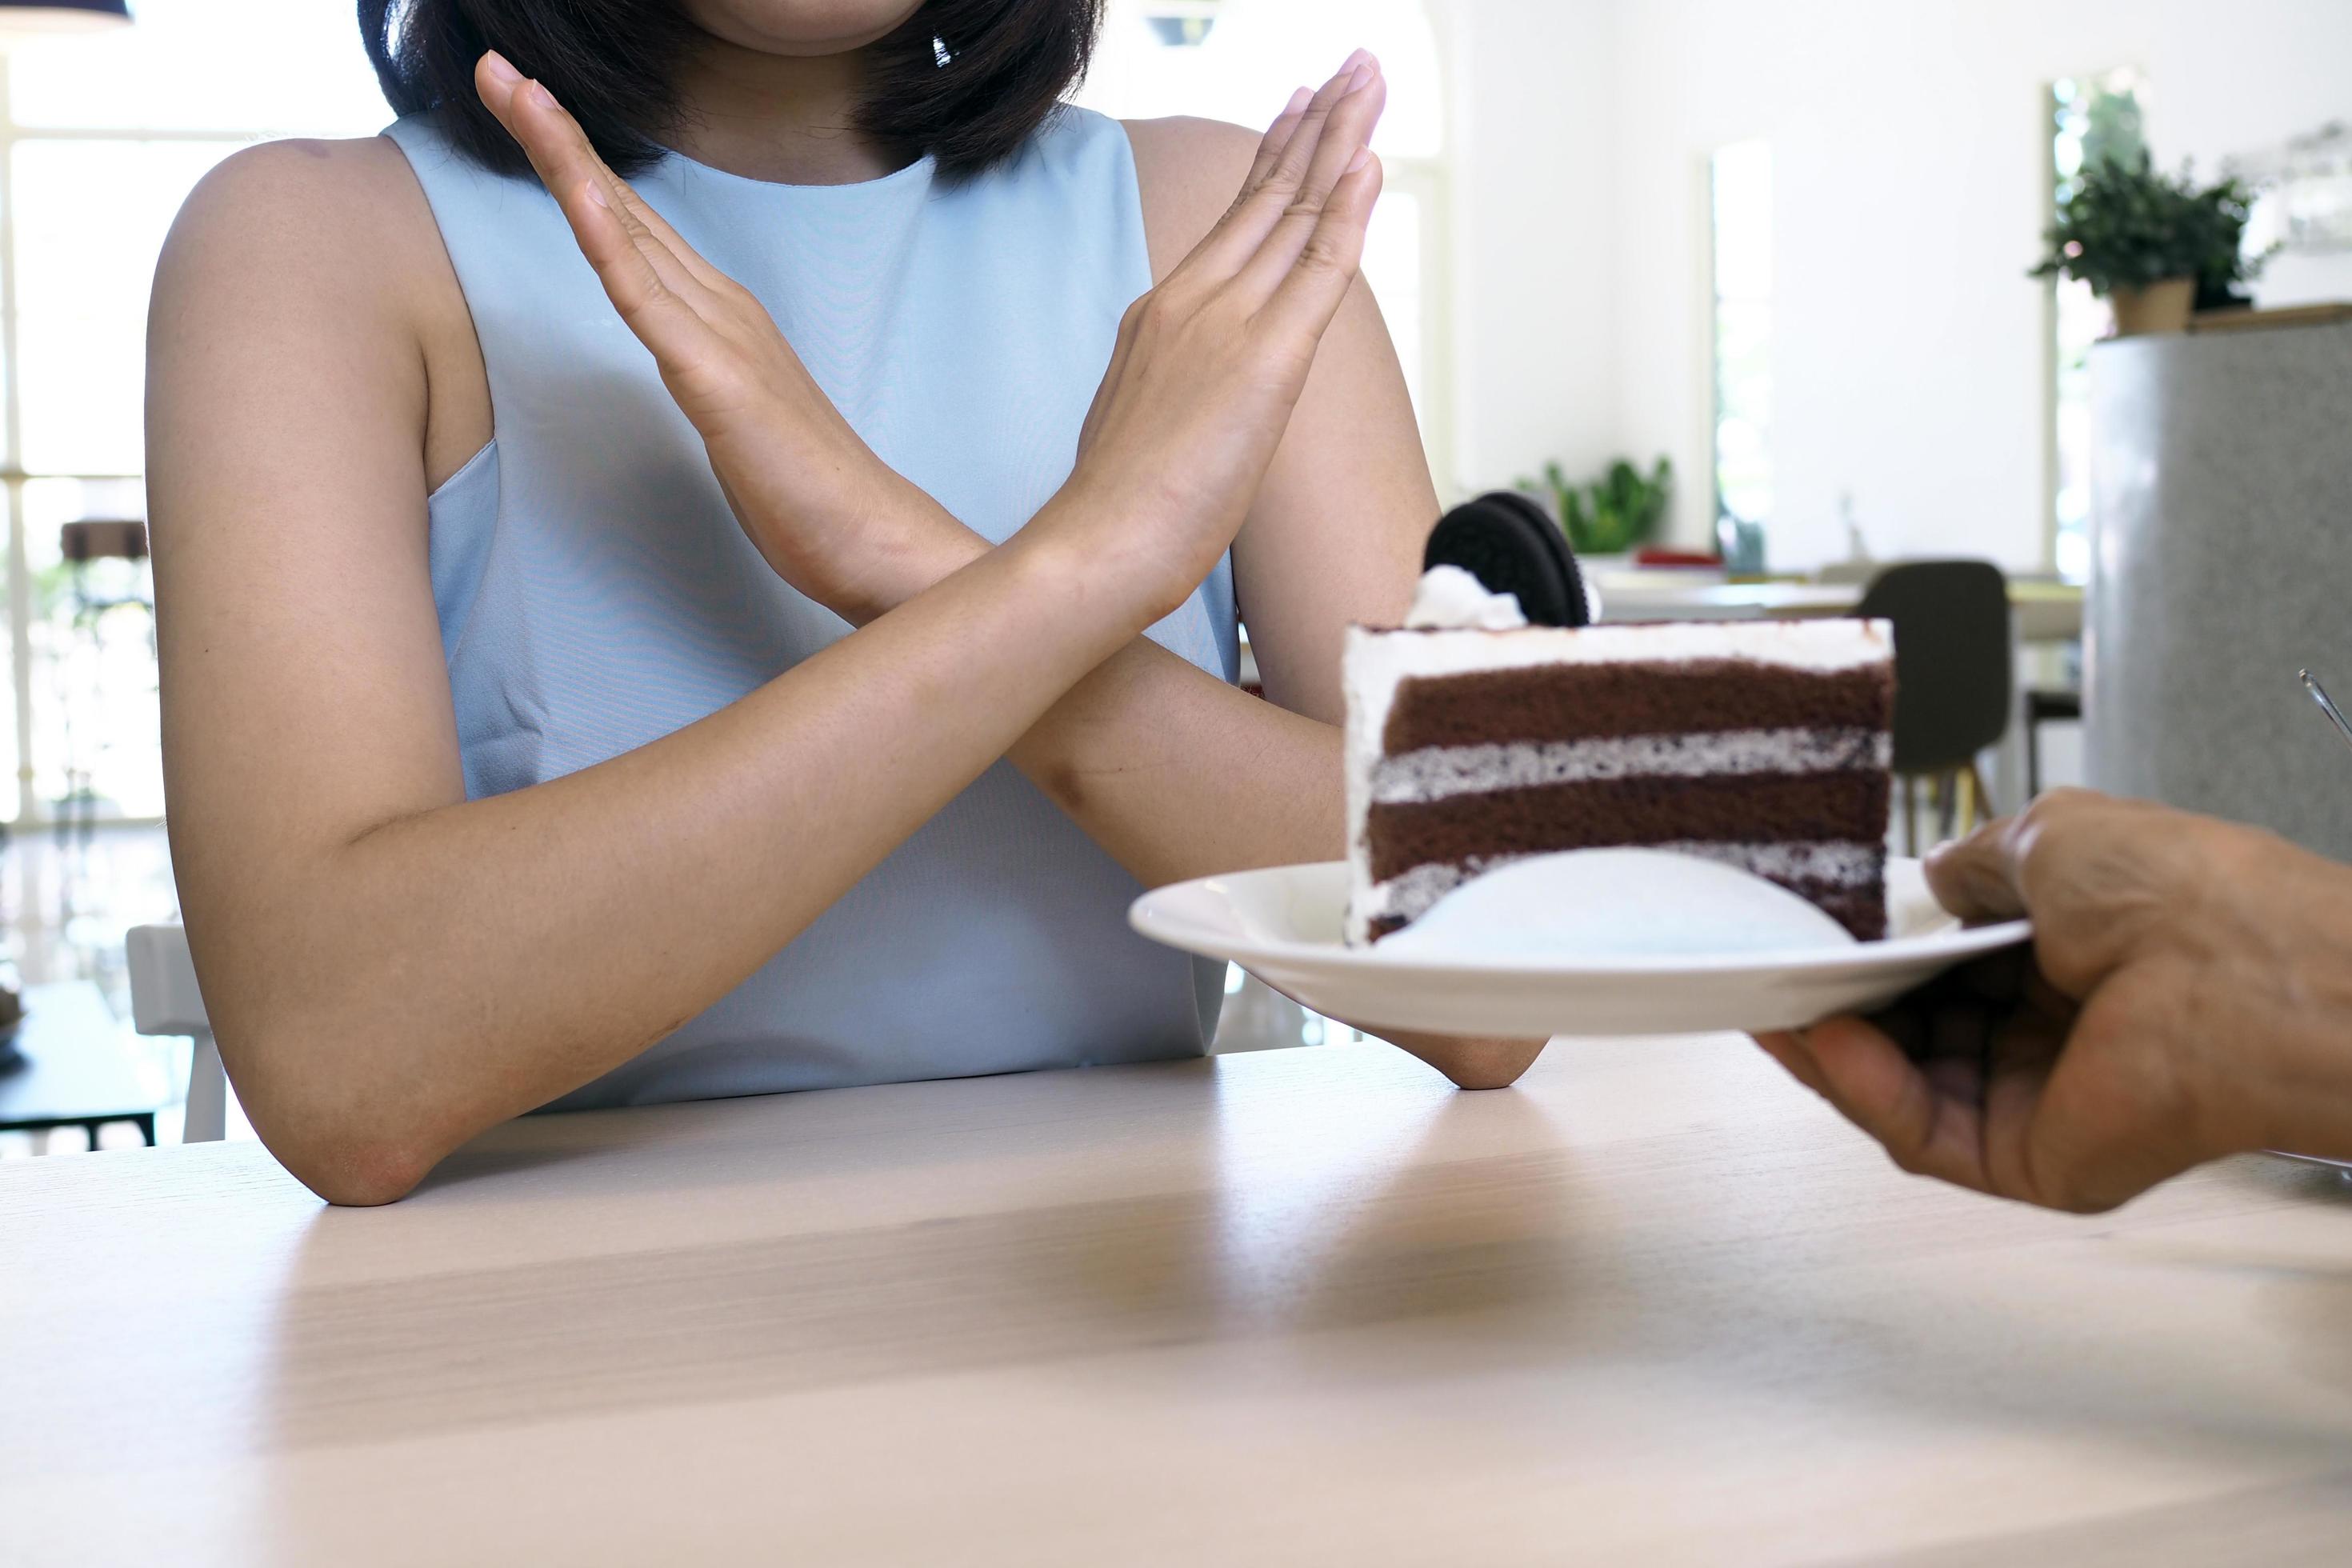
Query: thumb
point(1977, 878)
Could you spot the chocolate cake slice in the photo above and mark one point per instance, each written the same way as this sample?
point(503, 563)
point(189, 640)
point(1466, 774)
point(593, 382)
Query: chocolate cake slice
point(1472, 742)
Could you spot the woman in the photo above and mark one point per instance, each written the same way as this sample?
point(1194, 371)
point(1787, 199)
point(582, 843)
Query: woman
point(518, 743)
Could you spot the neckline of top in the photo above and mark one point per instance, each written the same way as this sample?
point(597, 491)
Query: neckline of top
point(919, 172)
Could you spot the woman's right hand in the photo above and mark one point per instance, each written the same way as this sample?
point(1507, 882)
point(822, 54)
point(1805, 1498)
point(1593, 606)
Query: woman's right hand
point(832, 519)
point(1210, 365)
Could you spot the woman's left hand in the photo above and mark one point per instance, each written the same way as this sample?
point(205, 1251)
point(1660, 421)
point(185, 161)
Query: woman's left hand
point(832, 519)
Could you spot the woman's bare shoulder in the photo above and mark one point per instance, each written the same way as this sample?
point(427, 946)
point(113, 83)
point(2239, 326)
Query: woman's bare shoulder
point(351, 209)
point(330, 238)
point(1186, 171)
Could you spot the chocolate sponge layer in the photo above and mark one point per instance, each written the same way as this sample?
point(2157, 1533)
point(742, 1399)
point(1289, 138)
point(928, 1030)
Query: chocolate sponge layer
point(1848, 807)
point(1580, 701)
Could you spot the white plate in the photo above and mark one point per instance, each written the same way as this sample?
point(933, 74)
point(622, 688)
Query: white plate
point(1282, 925)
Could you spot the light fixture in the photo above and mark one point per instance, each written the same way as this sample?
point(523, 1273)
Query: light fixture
point(61, 15)
point(1181, 24)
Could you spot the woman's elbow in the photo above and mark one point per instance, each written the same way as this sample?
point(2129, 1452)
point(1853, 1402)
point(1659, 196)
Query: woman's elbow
point(1473, 1063)
point(358, 1173)
point(350, 1153)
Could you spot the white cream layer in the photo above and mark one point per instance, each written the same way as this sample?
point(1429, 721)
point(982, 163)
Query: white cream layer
point(1441, 773)
point(1452, 599)
point(1834, 863)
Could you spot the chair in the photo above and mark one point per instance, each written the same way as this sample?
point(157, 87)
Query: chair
point(165, 1000)
point(2045, 705)
point(1953, 674)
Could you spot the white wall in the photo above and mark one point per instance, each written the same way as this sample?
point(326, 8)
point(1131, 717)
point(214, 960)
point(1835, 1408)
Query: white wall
point(1908, 144)
point(1532, 137)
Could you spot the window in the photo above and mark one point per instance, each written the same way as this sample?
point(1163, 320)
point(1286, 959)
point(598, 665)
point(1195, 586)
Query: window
point(102, 137)
point(1739, 191)
point(2092, 119)
point(1239, 59)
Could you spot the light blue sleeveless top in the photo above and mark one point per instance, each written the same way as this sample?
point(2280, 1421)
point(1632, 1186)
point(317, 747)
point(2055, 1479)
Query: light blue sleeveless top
point(596, 592)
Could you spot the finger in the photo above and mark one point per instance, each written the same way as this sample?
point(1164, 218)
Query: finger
point(1318, 279)
point(2016, 1075)
point(634, 209)
point(650, 286)
point(568, 164)
point(1260, 206)
point(1880, 1091)
point(1787, 1048)
point(1976, 878)
point(1277, 137)
point(2074, 1126)
point(1341, 151)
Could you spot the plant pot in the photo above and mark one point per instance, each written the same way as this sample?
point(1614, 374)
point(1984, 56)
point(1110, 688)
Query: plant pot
point(2159, 308)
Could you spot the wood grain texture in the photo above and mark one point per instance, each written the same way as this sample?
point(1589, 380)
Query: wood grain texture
point(1654, 1305)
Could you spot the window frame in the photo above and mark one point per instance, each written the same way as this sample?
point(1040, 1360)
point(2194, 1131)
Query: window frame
point(1710, 199)
point(33, 809)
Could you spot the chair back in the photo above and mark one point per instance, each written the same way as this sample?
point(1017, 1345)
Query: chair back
point(163, 996)
point(1952, 659)
point(165, 1000)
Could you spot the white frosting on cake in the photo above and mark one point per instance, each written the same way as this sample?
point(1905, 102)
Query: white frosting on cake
point(1833, 864)
point(1596, 905)
point(1452, 599)
point(1377, 662)
point(1441, 773)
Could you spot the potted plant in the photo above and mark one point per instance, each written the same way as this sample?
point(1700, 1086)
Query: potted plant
point(2149, 243)
point(1614, 513)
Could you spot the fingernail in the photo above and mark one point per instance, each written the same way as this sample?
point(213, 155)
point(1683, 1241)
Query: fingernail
point(1353, 61)
point(1363, 156)
point(542, 95)
point(1298, 100)
point(501, 72)
point(1362, 78)
point(596, 192)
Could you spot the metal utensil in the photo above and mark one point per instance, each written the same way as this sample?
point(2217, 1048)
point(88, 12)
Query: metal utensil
point(2319, 695)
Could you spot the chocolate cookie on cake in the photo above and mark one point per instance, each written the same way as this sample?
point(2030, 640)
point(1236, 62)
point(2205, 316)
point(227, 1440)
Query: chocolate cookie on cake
point(1475, 740)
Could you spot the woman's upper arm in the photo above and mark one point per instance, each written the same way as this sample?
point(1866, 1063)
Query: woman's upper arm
point(305, 696)
point(1337, 533)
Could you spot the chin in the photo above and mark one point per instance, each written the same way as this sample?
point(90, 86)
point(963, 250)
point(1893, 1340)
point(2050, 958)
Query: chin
point(801, 26)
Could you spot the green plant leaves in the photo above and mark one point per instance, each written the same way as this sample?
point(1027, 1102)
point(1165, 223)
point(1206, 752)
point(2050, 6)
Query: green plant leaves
point(2126, 225)
point(1614, 513)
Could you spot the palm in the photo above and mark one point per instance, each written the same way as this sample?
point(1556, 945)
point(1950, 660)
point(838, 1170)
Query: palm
point(1206, 371)
point(806, 489)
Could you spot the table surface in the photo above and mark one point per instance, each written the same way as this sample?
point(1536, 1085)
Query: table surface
point(1656, 1304)
point(77, 1067)
point(2045, 611)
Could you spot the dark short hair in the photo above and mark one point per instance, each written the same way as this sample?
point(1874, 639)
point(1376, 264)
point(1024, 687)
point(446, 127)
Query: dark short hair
point(965, 81)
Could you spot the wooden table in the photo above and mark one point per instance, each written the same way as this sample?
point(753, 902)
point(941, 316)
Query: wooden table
point(1305, 1306)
